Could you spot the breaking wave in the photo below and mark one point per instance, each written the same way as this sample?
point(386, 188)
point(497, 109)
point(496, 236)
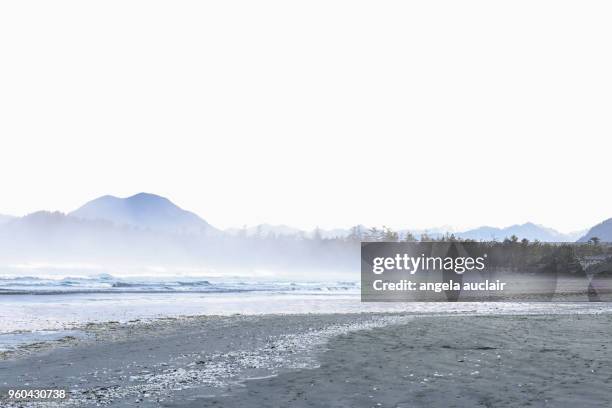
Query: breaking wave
point(105, 283)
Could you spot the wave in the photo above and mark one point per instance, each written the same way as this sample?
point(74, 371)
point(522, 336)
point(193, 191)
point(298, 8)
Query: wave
point(30, 285)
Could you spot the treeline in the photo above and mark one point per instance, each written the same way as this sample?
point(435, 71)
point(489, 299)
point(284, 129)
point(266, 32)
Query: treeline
point(514, 253)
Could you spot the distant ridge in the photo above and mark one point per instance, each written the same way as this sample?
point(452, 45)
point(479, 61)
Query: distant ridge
point(143, 210)
point(603, 231)
point(156, 213)
point(147, 232)
point(528, 230)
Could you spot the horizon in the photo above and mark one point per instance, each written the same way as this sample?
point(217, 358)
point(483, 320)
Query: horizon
point(438, 229)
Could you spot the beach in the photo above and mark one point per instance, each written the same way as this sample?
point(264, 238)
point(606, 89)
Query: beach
point(484, 361)
point(464, 359)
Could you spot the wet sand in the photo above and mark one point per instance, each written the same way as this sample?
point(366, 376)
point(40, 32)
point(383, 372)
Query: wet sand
point(341, 360)
point(484, 361)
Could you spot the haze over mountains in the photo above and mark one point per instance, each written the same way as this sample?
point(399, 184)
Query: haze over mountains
point(603, 231)
point(145, 211)
point(146, 232)
point(150, 211)
point(156, 213)
point(528, 230)
point(146, 229)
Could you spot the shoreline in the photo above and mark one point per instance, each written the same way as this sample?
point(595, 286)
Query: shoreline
point(31, 318)
point(15, 343)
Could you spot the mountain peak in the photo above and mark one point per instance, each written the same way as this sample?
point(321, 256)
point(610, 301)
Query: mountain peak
point(603, 231)
point(147, 197)
point(527, 230)
point(143, 210)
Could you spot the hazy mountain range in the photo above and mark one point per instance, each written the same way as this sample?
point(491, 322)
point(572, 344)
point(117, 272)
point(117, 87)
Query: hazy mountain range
point(528, 230)
point(149, 229)
point(156, 213)
point(146, 232)
point(145, 211)
point(603, 231)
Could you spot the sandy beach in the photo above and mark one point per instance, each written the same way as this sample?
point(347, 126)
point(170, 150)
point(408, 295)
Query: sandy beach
point(337, 360)
point(485, 361)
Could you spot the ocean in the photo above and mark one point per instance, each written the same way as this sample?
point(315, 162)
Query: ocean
point(46, 308)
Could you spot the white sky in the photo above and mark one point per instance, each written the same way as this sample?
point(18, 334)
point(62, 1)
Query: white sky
point(330, 113)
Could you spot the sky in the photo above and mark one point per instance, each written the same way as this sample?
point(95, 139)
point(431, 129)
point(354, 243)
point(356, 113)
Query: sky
point(312, 113)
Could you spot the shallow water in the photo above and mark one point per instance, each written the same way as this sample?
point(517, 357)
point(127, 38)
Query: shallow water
point(23, 316)
point(10, 341)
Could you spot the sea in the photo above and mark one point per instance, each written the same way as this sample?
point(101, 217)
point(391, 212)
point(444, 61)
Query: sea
point(47, 308)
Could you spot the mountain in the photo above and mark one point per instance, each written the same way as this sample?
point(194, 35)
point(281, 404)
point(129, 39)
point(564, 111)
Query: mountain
point(44, 236)
point(143, 210)
point(603, 231)
point(52, 242)
point(147, 231)
point(528, 230)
